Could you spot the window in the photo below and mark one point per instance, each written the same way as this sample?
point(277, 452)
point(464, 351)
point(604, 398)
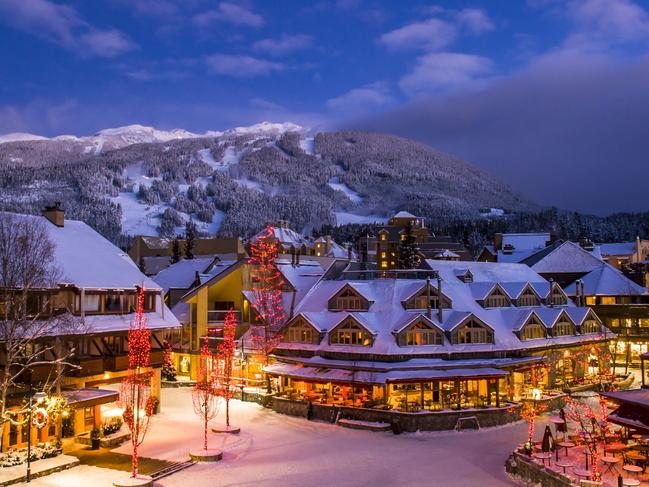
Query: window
point(590, 326)
point(472, 332)
point(528, 298)
point(112, 302)
point(384, 264)
point(563, 328)
point(149, 302)
point(607, 300)
point(13, 434)
point(533, 330)
point(90, 303)
point(590, 300)
point(347, 299)
point(558, 298)
point(350, 333)
point(496, 300)
point(384, 236)
point(420, 301)
point(421, 334)
point(89, 418)
point(299, 332)
point(384, 255)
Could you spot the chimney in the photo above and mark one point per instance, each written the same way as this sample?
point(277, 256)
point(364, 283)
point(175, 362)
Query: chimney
point(550, 295)
point(349, 252)
point(578, 292)
point(297, 257)
point(55, 214)
point(429, 311)
point(293, 255)
point(440, 312)
point(498, 241)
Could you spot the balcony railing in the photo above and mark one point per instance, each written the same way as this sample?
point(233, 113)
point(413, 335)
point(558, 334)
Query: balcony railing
point(633, 331)
point(218, 316)
point(116, 363)
point(90, 366)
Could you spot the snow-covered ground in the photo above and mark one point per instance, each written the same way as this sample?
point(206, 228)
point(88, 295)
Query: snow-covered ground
point(343, 217)
point(274, 449)
point(307, 144)
point(335, 184)
point(230, 157)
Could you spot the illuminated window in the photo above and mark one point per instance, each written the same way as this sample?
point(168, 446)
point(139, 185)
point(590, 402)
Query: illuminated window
point(384, 264)
point(607, 300)
point(384, 254)
point(421, 334)
point(528, 298)
point(590, 326)
point(350, 333)
point(496, 300)
point(299, 332)
point(403, 236)
point(590, 300)
point(384, 236)
point(347, 299)
point(472, 332)
point(533, 330)
point(563, 328)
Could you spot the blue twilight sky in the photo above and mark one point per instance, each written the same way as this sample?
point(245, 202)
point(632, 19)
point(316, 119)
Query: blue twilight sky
point(550, 95)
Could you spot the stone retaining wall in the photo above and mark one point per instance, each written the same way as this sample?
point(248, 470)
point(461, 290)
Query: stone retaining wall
point(424, 421)
point(525, 471)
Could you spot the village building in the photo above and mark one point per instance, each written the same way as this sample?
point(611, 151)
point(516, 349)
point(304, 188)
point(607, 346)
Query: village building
point(514, 247)
point(455, 335)
point(228, 285)
point(153, 254)
point(621, 304)
point(383, 249)
point(97, 289)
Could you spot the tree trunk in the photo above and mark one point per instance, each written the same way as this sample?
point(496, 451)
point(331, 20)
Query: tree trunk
point(227, 411)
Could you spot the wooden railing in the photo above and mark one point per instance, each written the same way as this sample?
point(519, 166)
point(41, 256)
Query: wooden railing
point(218, 316)
point(90, 366)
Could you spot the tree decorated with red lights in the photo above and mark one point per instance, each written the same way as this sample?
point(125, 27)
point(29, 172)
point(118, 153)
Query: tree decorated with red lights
point(225, 385)
point(267, 289)
point(204, 394)
point(591, 428)
point(531, 407)
point(135, 394)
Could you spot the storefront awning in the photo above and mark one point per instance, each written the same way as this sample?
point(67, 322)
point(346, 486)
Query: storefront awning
point(89, 397)
point(323, 374)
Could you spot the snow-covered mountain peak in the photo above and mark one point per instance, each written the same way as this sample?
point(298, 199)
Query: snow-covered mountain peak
point(267, 128)
point(142, 133)
point(19, 136)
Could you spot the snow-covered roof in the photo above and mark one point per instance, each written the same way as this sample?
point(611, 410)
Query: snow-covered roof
point(182, 274)
point(446, 254)
point(607, 281)
point(563, 257)
point(283, 235)
point(404, 214)
point(526, 241)
point(387, 314)
point(87, 260)
point(618, 248)
point(515, 256)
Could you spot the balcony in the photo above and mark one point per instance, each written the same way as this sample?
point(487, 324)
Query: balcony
point(156, 358)
point(218, 316)
point(630, 332)
point(116, 363)
point(90, 366)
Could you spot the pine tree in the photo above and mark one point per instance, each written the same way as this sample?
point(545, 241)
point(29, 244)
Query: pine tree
point(190, 237)
point(168, 367)
point(408, 257)
point(175, 252)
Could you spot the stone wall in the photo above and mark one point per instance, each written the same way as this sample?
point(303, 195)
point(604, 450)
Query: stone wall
point(524, 471)
point(424, 421)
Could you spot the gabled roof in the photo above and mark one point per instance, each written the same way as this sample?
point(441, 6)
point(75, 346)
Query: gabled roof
point(563, 257)
point(469, 317)
point(358, 319)
point(182, 274)
point(411, 319)
point(404, 214)
point(419, 289)
point(550, 316)
point(305, 317)
point(618, 248)
point(607, 281)
point(88, 260)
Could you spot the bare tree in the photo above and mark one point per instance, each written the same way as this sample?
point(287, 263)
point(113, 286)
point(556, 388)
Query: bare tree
point(30, 316)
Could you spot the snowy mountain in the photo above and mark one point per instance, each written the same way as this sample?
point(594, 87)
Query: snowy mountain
point(140, 180)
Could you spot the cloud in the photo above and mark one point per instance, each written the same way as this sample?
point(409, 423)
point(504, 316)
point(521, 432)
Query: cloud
point(359, 100)
point(38, 116)
point(475, 20)
point(617, 19)
point(230, 13)
point(152, 8)
point(106, 43)
point(431, 34)
point(445, 71)
point(62, 25)
point(284, 44)
point(241, 66)
point(264, 104)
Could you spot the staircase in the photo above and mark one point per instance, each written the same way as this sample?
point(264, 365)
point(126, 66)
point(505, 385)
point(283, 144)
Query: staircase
point(171, 469)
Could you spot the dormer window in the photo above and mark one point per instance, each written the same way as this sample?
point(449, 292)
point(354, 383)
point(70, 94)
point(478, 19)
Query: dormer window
point(423, 298)
point(300, 332)
point(558, 298)
point(528, 298)
point(472, 332)
point(533, 329)
point(466, 277)
point(350, 332)
point(496, 299)
point(348, 299)
point(421, 334)
point(563, 327)
point(590, 326)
